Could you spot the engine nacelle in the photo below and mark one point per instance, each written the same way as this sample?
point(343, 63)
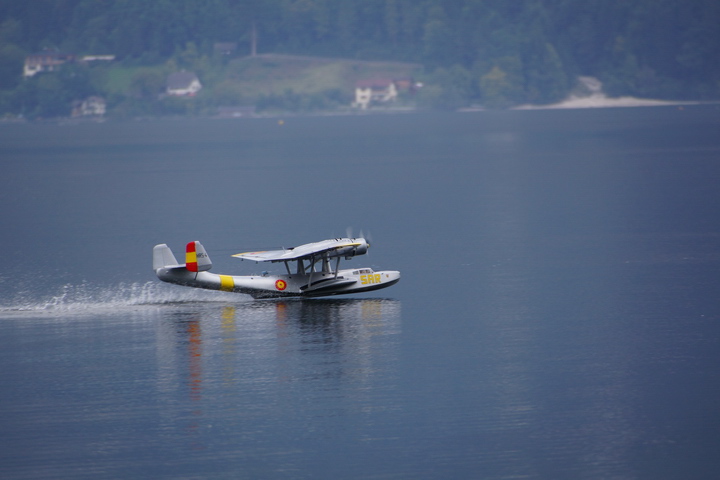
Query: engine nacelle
point(360, 249)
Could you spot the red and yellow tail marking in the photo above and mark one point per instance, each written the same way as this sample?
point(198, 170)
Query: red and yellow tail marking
point(227, 284)
point(191, 257)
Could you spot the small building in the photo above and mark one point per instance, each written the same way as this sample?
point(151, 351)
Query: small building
point(45, 61)
point(183, 84)
point(93, 106)
point(377, 90)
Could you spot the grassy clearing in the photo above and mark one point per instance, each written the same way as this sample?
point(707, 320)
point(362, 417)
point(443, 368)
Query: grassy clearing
point(291, 82)
point(274, 74)
point(119, 78)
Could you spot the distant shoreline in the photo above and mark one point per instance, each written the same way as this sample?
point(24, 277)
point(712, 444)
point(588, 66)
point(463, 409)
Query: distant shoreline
point(588, 93)
point(602, 101)
point(572, 103)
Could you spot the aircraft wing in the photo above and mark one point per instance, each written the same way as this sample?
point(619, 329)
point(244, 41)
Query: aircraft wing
point(304, 251)
point(264, 256)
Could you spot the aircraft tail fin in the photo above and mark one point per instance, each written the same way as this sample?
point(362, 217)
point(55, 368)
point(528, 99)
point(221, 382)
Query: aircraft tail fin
point(196, 258)
point(163, 257)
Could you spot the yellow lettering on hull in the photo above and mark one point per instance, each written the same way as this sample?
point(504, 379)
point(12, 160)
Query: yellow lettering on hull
point(370, 279)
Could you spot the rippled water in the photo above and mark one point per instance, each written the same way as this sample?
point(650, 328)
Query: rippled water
point(556, 318)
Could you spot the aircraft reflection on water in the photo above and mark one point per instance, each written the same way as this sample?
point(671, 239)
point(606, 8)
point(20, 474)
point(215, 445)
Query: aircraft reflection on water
point(202, 347)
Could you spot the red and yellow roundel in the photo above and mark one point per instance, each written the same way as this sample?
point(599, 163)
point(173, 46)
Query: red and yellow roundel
point(281, 285)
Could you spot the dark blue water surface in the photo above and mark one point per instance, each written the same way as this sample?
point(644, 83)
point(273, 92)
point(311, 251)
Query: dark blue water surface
point(557, 317)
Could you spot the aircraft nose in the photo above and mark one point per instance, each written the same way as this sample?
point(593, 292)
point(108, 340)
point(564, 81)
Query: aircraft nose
point(362, 246)
point(393, 276)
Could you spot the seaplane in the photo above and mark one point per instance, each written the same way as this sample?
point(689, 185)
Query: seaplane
point(312, 270)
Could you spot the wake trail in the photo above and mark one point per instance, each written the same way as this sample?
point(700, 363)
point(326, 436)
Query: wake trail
point(86, 298)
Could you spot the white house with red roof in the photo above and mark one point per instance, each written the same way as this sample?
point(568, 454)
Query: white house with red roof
point(45, 61)
point(376, 90)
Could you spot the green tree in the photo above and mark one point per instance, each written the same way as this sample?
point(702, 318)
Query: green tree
point(147, 84)
point(502, 84)
point(498, 88)
point(11, 65)
point(447, 89)
point(392, 22)
point(51, 94)
point(545, 77)
point(11, 55)
point(437, 41)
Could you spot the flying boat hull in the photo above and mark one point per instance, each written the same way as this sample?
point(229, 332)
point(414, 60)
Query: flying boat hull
point(273, 286)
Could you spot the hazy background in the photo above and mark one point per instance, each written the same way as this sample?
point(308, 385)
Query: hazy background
point(490, 53)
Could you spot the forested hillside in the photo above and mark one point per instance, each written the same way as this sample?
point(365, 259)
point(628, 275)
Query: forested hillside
point(491, 52)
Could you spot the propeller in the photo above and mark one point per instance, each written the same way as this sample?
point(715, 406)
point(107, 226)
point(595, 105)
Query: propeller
point(367, 236)
point(349, 234)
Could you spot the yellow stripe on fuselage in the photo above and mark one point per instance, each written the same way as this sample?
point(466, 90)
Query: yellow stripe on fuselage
point(227, 284)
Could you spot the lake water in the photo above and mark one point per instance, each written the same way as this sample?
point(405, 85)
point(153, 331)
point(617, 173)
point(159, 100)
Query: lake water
point(557, 317)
